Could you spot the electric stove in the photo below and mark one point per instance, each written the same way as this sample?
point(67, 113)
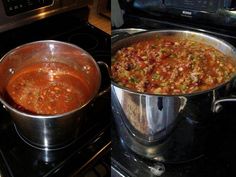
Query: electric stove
point(90, 153)
point(205, 150)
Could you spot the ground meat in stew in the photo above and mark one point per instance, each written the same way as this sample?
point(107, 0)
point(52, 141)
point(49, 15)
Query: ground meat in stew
point(47, 88)
point(170, 65)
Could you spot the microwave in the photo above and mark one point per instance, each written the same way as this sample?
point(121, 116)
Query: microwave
point(221, 12)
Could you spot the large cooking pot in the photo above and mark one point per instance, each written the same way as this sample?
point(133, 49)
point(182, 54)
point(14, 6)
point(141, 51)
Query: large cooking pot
point(144, 120)
point(49, 131)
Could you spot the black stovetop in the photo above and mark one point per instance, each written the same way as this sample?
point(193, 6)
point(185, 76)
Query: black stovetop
point(90, 152)
point(217, 158)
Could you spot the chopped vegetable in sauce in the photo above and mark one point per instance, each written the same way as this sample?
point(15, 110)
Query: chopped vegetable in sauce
point(47, 88)
point(170, 65)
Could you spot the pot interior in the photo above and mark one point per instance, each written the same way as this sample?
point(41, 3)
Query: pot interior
point(214, 42)
point(50, 51)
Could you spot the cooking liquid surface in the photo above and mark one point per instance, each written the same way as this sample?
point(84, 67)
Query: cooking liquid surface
point(47, 88)
point(171, 65)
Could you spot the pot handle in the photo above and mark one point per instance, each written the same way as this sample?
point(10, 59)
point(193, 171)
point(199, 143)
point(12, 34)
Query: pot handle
point(107, 88)
point(217, 107)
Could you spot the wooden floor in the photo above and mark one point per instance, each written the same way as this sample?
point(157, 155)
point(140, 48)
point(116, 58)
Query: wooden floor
point(101, 21)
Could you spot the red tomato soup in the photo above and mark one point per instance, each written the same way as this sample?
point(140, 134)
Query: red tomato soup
point(170, 65)
point(47, 88)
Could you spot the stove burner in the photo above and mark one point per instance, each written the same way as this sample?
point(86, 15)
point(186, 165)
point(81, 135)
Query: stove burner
point(84, 40)
point(102, 56)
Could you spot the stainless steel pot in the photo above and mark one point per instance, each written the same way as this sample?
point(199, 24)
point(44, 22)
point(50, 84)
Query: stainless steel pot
point(145, 121)
point(49, 131)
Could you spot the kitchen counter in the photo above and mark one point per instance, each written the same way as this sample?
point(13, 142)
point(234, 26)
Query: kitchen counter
point(100, 21)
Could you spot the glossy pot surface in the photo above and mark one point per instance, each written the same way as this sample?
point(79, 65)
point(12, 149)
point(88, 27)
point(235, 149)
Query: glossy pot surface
point(49, 131)
point(148, 119)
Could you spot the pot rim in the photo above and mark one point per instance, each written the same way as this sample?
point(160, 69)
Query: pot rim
point(174, 95)
point(153, 32)
point(38, 116)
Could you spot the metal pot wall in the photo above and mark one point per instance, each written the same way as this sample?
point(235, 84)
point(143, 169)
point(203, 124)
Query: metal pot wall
point(146, 120)
point(49, 131)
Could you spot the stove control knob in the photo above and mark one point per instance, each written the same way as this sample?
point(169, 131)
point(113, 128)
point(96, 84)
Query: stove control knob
point(157, 169)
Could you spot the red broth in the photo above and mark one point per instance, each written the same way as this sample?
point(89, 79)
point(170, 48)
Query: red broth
point(47, 89)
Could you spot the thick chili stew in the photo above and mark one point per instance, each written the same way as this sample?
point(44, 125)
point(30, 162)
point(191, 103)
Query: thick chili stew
point(170, 65)
point(47, 88)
